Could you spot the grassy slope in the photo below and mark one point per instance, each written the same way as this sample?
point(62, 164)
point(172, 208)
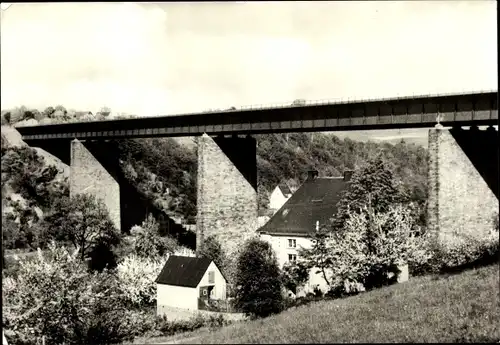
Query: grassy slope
point(455, 308)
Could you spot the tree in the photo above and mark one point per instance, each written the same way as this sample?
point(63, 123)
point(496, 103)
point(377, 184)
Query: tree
point(48, 112)
point(7, 117)
point(11, 234)
point(212, 249)
point(61, 109)
point(295, 275)
point(149, 243)
point(29, 114)
point(318, 256)
point(258, 280)
point(374, 184)
point(84, 221)
point(105, 111)
point(391, 240)
point(370, 248)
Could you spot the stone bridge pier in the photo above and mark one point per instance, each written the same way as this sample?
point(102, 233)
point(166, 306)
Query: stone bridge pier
point(227, 191)
point(94, 171)
point(463, 183)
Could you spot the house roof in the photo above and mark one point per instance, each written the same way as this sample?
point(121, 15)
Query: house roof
point(315, 200)
point(183, 271)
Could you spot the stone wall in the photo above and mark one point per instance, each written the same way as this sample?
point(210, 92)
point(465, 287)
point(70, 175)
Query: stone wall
point(227, 201)
point(462, 197)
point(90, 177)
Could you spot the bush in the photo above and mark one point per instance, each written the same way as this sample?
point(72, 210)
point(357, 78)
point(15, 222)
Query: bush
point(55, 296)
point(467, 253)
point(164, 327)
point(258, 280)
point(137, 277)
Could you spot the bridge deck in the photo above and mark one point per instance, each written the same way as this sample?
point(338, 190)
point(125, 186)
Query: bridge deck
point(410, 112)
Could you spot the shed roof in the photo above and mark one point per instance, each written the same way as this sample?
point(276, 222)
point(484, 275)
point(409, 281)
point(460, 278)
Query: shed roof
point(315, 200)
point(183, 271)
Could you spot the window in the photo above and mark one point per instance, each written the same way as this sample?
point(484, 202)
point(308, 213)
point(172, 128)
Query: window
point(292, 257)
point(211, 277)
point(292, 243)
point(204, 292)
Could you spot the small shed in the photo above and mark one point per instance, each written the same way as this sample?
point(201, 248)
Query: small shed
point(183, 280)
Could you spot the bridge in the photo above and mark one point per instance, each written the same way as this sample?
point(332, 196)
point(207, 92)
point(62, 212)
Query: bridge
point(463, 164)
point(480, 108)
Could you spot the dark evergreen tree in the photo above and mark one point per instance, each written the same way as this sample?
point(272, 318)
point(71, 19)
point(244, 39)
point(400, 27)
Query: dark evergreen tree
point(258, 280)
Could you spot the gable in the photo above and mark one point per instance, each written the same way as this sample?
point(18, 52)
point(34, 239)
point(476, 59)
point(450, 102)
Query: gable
point(277, 193)
point(211, 268)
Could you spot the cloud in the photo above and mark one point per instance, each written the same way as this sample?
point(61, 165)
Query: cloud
point(174, 57)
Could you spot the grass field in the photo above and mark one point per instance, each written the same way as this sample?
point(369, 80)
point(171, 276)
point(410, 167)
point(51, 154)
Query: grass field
point(457, 308)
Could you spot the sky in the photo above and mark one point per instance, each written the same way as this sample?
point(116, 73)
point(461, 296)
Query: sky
point(160, 59)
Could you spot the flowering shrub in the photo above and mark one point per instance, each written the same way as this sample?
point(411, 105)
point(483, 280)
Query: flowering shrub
point(370, 247)
point(55, 296)
point(137, 277)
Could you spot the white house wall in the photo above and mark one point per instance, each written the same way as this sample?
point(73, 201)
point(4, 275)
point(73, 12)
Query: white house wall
point(280, 247)
point(176, 296)
point(220, 282)
point(277, 199)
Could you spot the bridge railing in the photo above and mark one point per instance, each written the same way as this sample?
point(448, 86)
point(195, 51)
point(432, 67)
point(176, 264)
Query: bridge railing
point(343, 100)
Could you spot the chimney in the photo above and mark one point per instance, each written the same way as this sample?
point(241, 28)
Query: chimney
point(348, 175)
point(312, 174)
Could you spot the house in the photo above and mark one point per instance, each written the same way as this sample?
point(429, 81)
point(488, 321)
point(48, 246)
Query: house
point(279, 196)
point(309, 208)
point(183, 280)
